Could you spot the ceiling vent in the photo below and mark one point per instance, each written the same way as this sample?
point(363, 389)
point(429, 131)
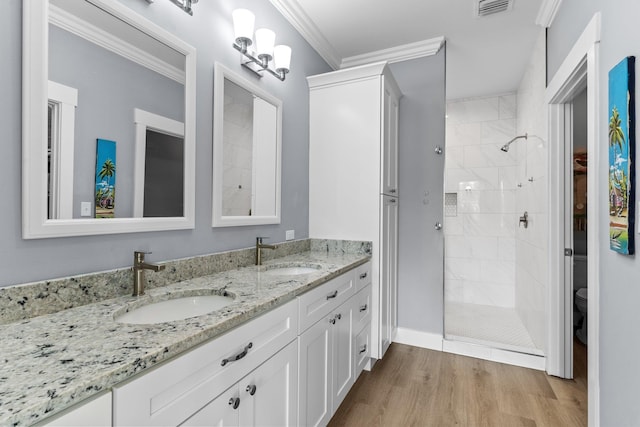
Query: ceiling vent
point(490, 7)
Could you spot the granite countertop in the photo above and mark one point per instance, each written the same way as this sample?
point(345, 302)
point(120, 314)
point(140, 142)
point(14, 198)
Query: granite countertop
point(54, 361)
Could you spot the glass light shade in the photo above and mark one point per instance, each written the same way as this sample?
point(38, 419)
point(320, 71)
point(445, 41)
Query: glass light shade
point(243, 21)
point(265, 40)
point(282, 57)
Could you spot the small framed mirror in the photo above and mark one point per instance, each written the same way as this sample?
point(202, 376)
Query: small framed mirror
point(108, 121)
point(247, 140)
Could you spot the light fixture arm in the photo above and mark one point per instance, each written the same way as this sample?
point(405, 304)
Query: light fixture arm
point(185, 5)
point(262, 61)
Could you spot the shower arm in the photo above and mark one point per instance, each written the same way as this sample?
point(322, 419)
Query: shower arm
point(505, 147)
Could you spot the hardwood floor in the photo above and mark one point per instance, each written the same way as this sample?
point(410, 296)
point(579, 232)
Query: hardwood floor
point(412, 386)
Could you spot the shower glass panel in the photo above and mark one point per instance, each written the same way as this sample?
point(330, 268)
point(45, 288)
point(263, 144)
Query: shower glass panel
point(485, 167)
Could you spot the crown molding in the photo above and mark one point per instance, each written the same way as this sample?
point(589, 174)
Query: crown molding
point(308, 30)
point(396, 54)
point(83, 29)
point(547, 12)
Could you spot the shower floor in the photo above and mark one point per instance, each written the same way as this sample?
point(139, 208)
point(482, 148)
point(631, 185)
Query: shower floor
point(495, 327)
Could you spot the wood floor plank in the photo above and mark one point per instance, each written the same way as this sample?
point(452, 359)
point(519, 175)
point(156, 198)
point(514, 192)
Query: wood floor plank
point(418, 387)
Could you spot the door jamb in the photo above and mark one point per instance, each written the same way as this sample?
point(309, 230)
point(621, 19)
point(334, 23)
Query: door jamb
point(580, 65)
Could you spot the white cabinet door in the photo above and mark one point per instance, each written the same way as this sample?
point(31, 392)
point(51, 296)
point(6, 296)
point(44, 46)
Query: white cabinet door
point(269, 395)
point(342, 354)
point(314, 355)
point(223, 411)
point(389, 142)
point(388, 272)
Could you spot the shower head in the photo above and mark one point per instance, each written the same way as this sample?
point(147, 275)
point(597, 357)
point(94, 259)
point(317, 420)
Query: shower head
point(505, 147)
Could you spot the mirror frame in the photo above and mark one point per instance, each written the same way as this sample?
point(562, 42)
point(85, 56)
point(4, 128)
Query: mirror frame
point(218, 220)
point(35, 62)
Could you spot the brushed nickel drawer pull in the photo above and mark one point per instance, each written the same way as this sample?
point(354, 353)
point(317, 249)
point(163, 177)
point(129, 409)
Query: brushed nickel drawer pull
point(363, 276)
point(364, 308)
point(363, 349)
point(238, 356)
point(332, 295)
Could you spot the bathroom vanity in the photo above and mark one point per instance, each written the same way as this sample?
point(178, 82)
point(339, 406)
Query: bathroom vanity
point(286, 339)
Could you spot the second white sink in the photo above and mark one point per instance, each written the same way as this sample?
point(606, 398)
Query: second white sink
point(174, 309)
point(291, 270)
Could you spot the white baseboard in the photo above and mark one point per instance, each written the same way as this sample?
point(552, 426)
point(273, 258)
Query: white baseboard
point(494, 354)
point(418, 339)
point(436, 342)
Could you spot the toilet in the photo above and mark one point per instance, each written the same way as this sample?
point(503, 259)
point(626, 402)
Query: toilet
point(580, 285)
point(581, 303)
point(580, 295)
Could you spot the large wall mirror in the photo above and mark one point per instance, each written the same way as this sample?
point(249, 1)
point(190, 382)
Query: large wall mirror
point(108, 121)
point(247, 125)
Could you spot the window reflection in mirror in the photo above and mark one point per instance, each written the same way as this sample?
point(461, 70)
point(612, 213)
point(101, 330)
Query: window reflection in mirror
point(114, 69)
point(247, 141)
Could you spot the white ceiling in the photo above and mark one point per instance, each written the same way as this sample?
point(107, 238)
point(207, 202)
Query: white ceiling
point(485, 56)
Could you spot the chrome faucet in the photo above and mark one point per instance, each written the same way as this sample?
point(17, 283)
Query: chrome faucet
point(259, 247)
point(139, 266)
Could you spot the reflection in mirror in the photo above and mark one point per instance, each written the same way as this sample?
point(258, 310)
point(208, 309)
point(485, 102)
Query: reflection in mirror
point(111, 75)
point(247, 126)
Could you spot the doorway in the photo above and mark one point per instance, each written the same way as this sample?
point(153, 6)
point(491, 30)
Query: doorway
point(579, 70)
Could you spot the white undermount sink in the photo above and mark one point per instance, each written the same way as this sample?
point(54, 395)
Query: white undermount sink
point(288, 270)
point(173, 309)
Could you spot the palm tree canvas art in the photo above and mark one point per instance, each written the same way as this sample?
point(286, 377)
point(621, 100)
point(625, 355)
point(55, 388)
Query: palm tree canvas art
point(105, 196)
point(622, 156)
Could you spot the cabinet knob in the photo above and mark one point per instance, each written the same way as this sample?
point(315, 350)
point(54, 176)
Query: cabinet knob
point(332, 320)
point(339, 316)
point(234, 402)
point(251, 389)
point(364, 307)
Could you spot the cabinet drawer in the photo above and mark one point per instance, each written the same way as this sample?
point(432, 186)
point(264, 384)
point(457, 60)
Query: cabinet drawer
point(172, 392)
point(363, 276)
point(362, 349)
point(362, 308)
point(319, 302)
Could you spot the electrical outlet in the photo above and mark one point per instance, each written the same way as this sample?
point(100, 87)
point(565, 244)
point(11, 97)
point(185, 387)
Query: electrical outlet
point(85, 208)
point(290, 234)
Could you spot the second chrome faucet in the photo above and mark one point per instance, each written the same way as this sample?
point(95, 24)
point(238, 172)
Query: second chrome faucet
point(259, 247)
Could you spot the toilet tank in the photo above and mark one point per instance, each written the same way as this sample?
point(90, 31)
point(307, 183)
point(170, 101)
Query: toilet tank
point(579, 272)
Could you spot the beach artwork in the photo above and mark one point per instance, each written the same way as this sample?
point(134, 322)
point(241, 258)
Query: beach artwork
point(621, 156)
point(105, 200)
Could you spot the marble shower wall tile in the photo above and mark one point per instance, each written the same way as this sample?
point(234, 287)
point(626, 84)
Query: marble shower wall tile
point(480, 240)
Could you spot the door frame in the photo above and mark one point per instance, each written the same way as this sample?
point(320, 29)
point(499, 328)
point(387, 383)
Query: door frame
point(580, 68)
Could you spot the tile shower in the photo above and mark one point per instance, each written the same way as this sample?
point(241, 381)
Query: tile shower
point(495, 269)
point(484, 196)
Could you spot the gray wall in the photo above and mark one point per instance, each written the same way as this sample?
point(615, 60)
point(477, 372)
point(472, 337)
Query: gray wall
point(210, 31)
point(421, 173)
point(619, 291)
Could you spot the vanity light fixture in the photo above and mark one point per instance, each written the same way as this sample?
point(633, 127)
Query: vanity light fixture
point(185, 5)
point(265, 51)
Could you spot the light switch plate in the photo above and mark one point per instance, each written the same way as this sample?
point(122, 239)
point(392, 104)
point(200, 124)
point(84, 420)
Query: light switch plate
point(85, 208)
point(290, 234)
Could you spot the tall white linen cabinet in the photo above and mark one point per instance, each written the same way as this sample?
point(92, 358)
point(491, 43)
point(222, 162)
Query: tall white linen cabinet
point(353, 176)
